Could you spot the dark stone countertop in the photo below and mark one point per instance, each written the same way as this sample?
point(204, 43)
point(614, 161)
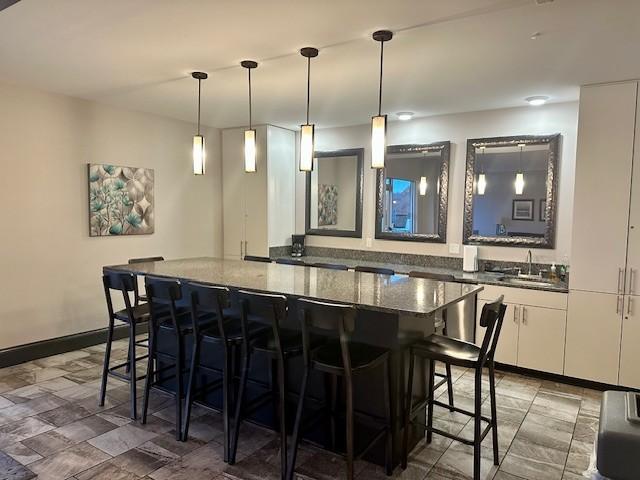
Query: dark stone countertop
point(487, 278)
point(397, 294)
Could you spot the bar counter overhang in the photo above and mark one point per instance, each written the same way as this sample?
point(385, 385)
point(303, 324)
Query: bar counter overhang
point(392, 311)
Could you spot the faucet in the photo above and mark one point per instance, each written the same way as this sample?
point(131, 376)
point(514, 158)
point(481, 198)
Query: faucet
point(529, 261)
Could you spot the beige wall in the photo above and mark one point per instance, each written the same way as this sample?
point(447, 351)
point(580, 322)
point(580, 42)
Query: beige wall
point(50, 268)
point(457, 128)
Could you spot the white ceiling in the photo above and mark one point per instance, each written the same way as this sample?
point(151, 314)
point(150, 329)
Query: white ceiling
point(446, 56)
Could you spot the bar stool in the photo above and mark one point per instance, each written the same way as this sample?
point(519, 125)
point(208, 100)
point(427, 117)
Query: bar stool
point(227, 334)
point(463, 354)
point(379, 270)
point(341, 358)
point(290, 261)
point(446, 377)
point(132, 261)
point(132, 315)
point(330, 266)
point(277, 343)
point(253, 258)
point(170, 323)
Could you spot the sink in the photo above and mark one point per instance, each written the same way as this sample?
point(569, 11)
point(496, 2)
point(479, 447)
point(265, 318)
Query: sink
point(529, 281)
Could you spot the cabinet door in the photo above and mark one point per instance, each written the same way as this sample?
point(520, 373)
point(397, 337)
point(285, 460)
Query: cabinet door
point(233, 192)
point(630, 348)
point(633, 254)
point(602, 185)
point(541, 339)
point(594, 324)
point(507, 349)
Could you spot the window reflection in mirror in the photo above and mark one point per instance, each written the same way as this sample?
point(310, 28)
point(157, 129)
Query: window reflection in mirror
point(512, 182)
point(334, 194)
point(411, 202)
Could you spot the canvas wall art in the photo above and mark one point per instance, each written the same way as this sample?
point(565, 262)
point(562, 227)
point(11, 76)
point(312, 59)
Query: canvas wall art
point(120, 200)
point(327, 205)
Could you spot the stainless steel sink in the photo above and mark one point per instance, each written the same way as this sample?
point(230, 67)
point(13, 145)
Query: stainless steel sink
point(528, 281)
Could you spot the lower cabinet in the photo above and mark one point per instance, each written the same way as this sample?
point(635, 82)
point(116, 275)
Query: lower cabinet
point(534, 328)
point(630, 346)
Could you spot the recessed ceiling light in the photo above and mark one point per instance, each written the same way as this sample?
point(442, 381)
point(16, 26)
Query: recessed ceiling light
point(404, 115)
point(537, 100)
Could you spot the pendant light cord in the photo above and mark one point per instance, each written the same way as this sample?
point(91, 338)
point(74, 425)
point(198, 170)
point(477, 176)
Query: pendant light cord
point(380, 91)
point(308, 85)
point(249, 70)
point(199, 91)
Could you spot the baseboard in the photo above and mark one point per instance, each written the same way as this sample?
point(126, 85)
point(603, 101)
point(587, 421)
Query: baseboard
point(54, 346)
point(554, 377)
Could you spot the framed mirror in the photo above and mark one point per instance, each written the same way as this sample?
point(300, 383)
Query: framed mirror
point(511, 191)
point(334, 194)
point(411, 193)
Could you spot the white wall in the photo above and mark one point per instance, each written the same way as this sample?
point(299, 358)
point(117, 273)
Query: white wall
point(553, 118)
point(50, 268)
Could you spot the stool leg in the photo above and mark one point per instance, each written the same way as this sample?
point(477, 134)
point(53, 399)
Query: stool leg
point(349, 418)
point(227, 382)
point(132, 370)
point(449, 385)
point(295, 440)
point(150, 374)
point(332, 407)
point(477, 423)
point(188, 402)
point(105, 366)
point(239, 401)
point(430, 395)
point(179, 389)
point(408, 412)
point(494, 418)
point(388, 463)
point(282, 404)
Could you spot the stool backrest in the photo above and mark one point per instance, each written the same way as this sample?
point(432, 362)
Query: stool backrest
point(442, 277)
point(253, 258)
point(163, 293)
point(491, 318)
point(331, 319)
point(381, 271)
point(289, 261)
point(207, 299)
point(132, 261)
point(123, 282)
point(330, 266)
point(265, 308)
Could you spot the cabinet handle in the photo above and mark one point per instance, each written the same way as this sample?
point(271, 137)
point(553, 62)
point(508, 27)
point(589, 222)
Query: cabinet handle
point(632, 281)
point(620, 277)
point(246, 246)
point(524, 315)
point(240, 249)
point(629, 312)
point(515, 314)
point(618, 304)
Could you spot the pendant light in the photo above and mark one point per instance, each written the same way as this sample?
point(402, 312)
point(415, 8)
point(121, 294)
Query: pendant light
point(482, 178)
point(379, 122)
point(199, 157)
point(422, 186)
point(519, 183)
point(307, 130)
point(250, 134)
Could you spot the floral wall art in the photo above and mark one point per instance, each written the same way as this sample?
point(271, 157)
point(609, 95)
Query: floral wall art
point(327, 205)
point(120, 200)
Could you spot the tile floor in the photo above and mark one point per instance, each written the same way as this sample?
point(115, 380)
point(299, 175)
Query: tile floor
point(52, 428)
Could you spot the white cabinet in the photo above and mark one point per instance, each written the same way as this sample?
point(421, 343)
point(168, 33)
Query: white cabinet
point(602, 334)
point(533, 330)
point(258, 208)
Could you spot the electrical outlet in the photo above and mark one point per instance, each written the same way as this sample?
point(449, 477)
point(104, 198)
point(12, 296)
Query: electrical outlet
point(454, 248)
point(368, 242)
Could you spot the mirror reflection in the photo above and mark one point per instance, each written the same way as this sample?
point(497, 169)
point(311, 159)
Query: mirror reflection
point(412, 192)
point(334, 194)
point(512, 184)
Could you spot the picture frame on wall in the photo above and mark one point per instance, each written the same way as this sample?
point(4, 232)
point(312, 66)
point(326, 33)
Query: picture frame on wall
point(522, 210)
point(543, 208)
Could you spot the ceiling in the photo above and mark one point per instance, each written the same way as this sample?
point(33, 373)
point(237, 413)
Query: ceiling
point(445, 57)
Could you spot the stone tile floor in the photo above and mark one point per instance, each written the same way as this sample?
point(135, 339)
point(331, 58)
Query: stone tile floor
point(52, 428)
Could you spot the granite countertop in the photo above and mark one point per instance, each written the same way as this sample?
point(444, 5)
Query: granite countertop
point(487, 278)
point(397, 294)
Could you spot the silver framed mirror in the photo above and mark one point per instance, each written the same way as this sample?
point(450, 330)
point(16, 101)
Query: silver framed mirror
point(412, 193)
point(511, 188)
point(334, 194)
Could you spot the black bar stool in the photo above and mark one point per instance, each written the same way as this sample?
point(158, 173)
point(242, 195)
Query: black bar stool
point(341, 358)
point(170, 326)
point(463, 354)
point(132, 315)
point(133, 261)
point(227, 334)
point(331, 266)
point(253, 258)
point(445, 378)
point(290, 261)
point(379, 270)
point(279, 344)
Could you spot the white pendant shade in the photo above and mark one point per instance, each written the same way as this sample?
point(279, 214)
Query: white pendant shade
point(306, 148)
point(519, 184)
point(482, 183)
point(199, 155)
point(378, 140)
point(249, 151)
point(423, 186)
